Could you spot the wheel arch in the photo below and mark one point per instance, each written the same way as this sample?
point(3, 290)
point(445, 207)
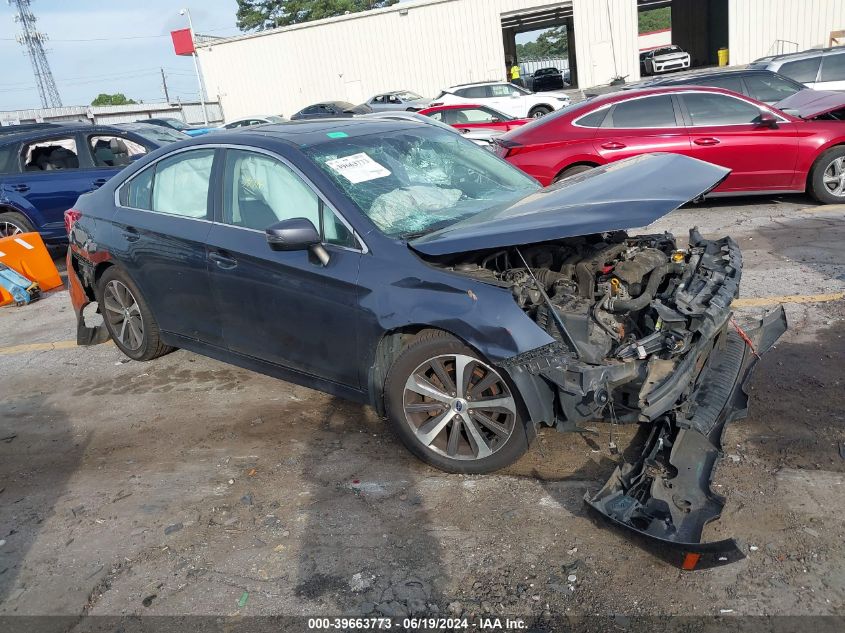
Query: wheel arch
point(578, 163)
point(808, 179)
point(534, 395)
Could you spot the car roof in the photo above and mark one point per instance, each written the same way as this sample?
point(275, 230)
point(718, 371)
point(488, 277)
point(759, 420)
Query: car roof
point(456, 106)
point(477, 83)
point(813, 52)
point(311, 132)
point(612, 97)
point(708, 73)
point(17, 133)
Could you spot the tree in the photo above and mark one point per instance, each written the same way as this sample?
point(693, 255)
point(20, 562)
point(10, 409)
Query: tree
point(257, 15)
point(550, 43)
point(117, 98)
point(656, 20)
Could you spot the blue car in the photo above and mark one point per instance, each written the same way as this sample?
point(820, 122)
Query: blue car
point(45, 167)
point(397, 264)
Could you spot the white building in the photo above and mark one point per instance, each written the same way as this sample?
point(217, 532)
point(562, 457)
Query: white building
point(427, 45)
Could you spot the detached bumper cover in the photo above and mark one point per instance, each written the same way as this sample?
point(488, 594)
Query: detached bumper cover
point(665, 495)
point(79, 298)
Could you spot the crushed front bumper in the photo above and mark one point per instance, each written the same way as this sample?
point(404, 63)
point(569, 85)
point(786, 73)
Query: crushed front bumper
point(665, 496)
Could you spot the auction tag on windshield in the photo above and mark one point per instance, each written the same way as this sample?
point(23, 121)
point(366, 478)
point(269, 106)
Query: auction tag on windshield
point(358, 168)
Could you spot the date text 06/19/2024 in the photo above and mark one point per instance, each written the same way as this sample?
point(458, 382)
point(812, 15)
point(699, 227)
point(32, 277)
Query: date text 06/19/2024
point(417, 624)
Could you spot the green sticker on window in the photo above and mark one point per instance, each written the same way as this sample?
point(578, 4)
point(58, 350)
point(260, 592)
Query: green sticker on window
point(337, 134)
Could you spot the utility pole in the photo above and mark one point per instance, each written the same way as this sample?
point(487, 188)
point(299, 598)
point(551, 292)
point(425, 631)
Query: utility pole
point(33, 42)
point(164, 85)
point(196, 63)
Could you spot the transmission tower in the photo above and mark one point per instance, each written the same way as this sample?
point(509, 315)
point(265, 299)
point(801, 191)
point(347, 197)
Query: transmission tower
point(33, 41)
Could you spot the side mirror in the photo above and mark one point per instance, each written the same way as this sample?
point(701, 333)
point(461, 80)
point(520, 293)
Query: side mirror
point(515, 94)
point(495, 119)
point(296, 234)
point(767, 119)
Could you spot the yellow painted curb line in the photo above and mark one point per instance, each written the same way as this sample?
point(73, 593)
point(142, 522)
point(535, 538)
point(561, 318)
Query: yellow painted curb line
point(40, 347)
point(754, 302)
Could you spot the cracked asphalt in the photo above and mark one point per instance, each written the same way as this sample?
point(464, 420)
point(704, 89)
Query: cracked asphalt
point(182, 485)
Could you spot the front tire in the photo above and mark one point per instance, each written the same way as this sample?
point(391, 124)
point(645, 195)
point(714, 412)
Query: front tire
point(452, 409)
point(128, 318)
point(827, 177)
point(539, 112)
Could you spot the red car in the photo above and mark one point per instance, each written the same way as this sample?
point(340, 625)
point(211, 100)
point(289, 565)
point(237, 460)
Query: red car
point(797, 146)
point(468, 116)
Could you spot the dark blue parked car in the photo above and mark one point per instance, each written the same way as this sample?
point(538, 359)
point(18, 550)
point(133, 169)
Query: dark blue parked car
point(45, 167)
point(400, 265)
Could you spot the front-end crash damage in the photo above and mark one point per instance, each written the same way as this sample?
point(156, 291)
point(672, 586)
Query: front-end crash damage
point(644, 334)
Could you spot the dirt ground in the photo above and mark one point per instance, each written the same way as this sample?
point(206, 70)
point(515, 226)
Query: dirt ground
point(187, 486)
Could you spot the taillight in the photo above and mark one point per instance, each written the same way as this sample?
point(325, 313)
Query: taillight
point(71, 217)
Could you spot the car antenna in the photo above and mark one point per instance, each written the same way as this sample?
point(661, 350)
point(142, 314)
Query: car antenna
point(558, 321)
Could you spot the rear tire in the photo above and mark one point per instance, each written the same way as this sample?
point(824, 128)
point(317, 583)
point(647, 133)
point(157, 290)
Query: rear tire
point(128, 318)
point(577, 169)
point(12, 223)
point(827, 177)
point(539, 112)
point(457, 434)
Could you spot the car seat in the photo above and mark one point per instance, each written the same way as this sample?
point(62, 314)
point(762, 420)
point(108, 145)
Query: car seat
point(103, 154)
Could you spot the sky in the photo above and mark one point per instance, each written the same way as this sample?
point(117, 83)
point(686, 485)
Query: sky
point(125, 44)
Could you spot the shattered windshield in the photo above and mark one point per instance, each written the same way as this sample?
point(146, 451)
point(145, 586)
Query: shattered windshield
point(413, 181)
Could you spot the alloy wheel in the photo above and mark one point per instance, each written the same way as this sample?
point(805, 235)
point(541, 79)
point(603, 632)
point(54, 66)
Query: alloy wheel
point(124, 315)
point(834, 177)
point(459, 407)
point(7, 229)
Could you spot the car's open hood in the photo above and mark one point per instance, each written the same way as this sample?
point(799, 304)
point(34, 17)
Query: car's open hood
point(812, 103)
point(622, 195)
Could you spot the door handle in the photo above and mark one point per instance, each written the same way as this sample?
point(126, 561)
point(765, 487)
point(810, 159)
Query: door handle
point(707, 141)
point(131, 234)
point(226, 263)
point(614, 145)
point(19, 187)
point(99, 182)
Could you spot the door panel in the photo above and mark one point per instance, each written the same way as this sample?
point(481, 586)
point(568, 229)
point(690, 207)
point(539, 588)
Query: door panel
point(165, 255)
point(722, 132)
point(282, 306)
point(641, 126)
point(158, 235)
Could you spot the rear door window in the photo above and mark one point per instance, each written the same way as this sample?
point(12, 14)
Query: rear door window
point(50, 155)
point(833, 68)
point(715, 109)
point(181, 183)
point(648, 112)
point(476, 92)
point(803, 70)
point(114, 151)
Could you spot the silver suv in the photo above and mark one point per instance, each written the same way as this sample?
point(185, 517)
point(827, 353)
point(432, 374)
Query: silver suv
point(820, 69)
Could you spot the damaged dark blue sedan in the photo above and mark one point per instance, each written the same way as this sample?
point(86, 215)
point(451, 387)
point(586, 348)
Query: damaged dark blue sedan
point(400, 265)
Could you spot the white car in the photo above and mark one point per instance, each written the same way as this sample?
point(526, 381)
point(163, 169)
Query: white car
point(663, 60)
point(504, 97)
